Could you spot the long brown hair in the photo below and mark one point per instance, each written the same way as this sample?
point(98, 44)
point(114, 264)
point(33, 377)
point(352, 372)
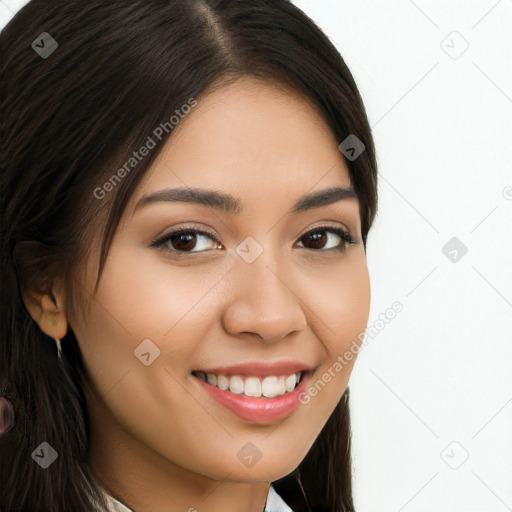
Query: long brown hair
point(121, 69)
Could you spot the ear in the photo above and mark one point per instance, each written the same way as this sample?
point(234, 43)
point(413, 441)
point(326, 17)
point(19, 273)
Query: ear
point(47, 309)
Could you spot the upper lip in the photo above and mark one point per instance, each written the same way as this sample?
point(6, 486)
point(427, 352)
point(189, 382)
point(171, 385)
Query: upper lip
point(259, 368)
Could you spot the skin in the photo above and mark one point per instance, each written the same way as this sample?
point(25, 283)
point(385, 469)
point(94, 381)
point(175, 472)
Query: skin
point(158, 442)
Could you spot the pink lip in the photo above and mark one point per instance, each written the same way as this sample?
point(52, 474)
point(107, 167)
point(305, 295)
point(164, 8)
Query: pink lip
point(260, 369)
point(261, 410)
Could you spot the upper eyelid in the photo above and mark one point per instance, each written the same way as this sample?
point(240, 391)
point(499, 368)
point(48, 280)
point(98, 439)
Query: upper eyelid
point(203, 231)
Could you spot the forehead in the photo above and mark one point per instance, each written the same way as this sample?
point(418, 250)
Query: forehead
point(254, 140)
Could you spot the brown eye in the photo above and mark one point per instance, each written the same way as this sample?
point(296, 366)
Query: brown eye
point(319, 238)
point(183, 241)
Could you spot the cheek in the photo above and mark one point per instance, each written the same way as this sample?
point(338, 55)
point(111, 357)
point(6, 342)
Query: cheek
point(135, 301)
point(341, 302)
point(340, 306)
point(140, 296)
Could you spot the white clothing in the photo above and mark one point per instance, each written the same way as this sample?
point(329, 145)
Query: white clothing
point(274, 503)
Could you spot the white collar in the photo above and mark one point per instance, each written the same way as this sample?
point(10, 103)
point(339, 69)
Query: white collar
point(274, 503)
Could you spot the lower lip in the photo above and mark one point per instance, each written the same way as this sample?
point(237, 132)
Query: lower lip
point(258, 409)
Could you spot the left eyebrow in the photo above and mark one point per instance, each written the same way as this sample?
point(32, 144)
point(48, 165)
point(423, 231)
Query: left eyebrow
point(231, 205)
point(323, 198)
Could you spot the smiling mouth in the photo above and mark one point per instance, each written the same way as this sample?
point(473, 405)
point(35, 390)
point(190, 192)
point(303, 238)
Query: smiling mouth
point(271, 386)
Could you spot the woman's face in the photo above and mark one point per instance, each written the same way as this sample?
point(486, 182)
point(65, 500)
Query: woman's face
point(265, 293)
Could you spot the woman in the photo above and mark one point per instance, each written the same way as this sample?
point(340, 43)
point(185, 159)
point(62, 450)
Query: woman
point(187, 189)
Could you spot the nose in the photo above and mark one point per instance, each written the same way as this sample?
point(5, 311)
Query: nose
point(264, 301)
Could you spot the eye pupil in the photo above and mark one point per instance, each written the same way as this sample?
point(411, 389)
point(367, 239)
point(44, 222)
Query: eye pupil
point(318, 238)
point(187, 244)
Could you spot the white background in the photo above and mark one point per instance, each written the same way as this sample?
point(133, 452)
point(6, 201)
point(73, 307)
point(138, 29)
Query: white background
point(435, 384)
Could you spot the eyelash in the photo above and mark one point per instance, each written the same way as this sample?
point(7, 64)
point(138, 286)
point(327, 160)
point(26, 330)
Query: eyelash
point(159, 243)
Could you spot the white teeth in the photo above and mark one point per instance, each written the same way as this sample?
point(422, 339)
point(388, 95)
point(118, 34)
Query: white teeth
point(290, 382)
point(270, 387)
point(222, 382)
point(252, 387)
point(236, 384)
